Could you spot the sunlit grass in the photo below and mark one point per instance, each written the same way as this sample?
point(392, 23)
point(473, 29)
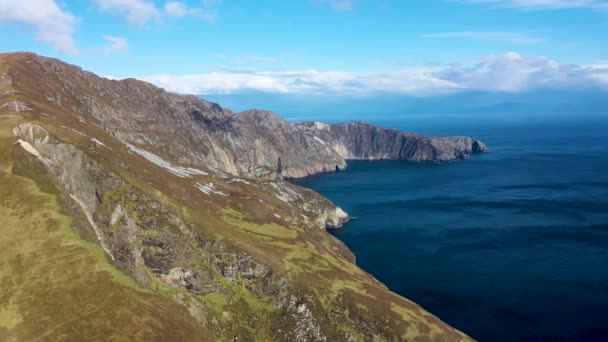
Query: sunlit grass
point(58, 286)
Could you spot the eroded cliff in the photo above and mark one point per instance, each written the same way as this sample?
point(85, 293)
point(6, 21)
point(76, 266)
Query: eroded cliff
point(190, 131)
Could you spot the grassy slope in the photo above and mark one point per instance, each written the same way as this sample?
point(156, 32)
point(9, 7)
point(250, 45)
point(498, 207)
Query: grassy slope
point(68, 287)
point(56, 286)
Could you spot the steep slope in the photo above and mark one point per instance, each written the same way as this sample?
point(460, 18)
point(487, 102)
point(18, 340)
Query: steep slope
point(56, 286)
point(195, 132)
point(171, 241)
point(359, 140)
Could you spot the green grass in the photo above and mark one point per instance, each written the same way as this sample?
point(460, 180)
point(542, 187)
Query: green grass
point(271, 230)
point(10, 316)
point(56, 286)
point(242, 313)
point(216, 302)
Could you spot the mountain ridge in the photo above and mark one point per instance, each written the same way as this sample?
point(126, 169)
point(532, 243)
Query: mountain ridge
point(223, 140)
point(162, 203)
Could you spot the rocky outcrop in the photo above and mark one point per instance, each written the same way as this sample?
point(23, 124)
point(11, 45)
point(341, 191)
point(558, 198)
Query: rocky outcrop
point(69, 166)
point(155, 244)
point(360, 140)
point(193, 132)
point(147, 240)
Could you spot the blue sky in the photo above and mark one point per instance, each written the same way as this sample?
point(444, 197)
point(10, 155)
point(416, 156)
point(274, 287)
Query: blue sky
point(414, 47)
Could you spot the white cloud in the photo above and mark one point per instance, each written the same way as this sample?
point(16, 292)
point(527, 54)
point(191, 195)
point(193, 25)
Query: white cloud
point(207, 11)
point(52, 25)
point(117, 44)
point(544, 4)
point(340, 5)
point(261, 59)
point(510, 72)
point(303, 81)
point(509, 37)
point(139, 12)
point(240, 61)
point(598, 72)
point(136, 12)
point(176, 9)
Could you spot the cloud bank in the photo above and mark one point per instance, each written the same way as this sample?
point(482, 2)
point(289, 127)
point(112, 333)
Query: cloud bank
point(509, 37)
point(544, 4)
point(54, 26)
point(136, 12)
point(51, 24)
point(342, 5)
point(510, 72)
point(140, 12)
point(117, 44)
point(339, 5)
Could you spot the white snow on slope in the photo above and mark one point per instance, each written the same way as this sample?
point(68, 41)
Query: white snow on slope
point(75, 131)
point(176, 170)
point(95, 140)
point(209, 189)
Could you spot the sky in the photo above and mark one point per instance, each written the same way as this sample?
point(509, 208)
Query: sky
point(322, 47)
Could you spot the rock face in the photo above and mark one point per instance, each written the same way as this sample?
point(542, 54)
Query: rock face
point(198, 133)
point(360, 140)
point(185, 199)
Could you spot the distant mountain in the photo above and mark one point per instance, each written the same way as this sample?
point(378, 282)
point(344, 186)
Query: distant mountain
point(185, 230)
point(383, 107)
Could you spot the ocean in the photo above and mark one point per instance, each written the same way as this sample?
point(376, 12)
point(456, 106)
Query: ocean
point(508, 246)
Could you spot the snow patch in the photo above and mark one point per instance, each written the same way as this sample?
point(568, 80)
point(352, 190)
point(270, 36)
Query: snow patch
point(194, 171)
point(282, 198)
point(209, 189)
point(321, 141)
point(277, 216)
point(238, 180)
point(75, 131)
point(176, 170)
point(9, 92)
point(100, 143)
point(284, 193)
point(16, 106)
point(321, 126)
point(87, 213)
point(117, 214)
point(33, 151)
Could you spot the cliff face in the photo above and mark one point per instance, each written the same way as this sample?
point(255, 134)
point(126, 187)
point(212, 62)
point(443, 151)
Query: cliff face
point(175, 239)
point(359, 140)
point(192, 131)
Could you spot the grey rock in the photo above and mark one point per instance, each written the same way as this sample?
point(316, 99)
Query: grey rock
point(192, 132)
point(360, 140)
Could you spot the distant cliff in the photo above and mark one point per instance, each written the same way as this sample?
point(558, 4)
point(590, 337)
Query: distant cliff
point(253, 143)
point(360, 140)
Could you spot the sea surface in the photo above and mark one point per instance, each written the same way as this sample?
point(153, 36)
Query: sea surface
point(508, 246)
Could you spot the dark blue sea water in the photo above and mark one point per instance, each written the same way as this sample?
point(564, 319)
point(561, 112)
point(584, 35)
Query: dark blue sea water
point(509, 246)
